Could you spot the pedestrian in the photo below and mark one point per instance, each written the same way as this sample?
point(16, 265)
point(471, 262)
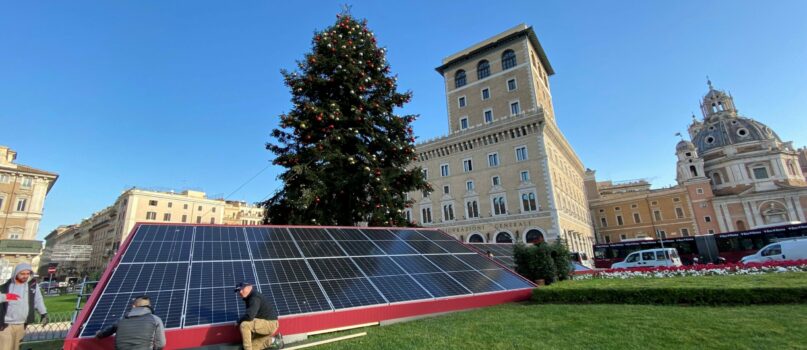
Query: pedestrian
point(19, 297)
point(259, 324)
point(139, 329)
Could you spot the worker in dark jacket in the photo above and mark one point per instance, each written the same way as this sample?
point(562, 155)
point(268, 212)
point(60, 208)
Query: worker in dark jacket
point(19, 297)
point(139, 329)
point(259, 324)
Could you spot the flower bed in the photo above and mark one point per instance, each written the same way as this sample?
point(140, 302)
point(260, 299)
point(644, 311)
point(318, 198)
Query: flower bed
point(698, 270)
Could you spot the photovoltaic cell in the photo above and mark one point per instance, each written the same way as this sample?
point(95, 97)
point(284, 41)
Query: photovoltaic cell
point(299, 270)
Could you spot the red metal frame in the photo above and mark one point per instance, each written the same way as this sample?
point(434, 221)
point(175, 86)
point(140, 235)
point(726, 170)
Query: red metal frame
point(294, 324)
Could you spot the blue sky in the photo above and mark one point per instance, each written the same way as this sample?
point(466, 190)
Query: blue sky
point(183, 94)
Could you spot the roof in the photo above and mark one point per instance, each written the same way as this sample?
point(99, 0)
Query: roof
point(508, 35)
point(19, 246)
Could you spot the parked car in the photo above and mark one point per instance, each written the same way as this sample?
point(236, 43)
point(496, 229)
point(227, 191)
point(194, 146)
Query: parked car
point(650, 258)
point(794, 249)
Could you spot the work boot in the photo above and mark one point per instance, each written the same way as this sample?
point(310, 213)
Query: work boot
point(278, 342)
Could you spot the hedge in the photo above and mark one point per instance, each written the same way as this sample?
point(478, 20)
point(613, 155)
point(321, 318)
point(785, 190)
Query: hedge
point(671, 296)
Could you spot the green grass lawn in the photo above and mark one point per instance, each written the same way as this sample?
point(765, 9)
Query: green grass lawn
point(61, 303)
point(781, 280)
point(533, 326)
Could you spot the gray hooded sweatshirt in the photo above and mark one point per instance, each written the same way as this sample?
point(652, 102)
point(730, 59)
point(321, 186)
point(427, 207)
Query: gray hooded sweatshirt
point(17, 310)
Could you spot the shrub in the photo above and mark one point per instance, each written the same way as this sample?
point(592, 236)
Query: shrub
point(563, 265)
point(536, 262)
point(670, 296)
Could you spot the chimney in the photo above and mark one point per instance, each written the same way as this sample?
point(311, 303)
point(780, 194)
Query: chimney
point(7, 156)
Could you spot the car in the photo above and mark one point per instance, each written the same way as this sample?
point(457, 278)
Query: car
point(793, 249)
point(650, 258)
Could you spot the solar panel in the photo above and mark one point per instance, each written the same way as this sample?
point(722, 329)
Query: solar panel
point(189, 271)
point(501, 252)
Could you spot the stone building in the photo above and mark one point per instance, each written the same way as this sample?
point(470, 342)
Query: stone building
point(22, 199)
point(735, 174)
point(504, 173)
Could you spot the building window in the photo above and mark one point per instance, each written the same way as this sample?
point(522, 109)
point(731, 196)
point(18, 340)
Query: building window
point(170, 205)
point(676, 199)
point(482, 69)
point(528, 202)
point(499, 206)
point(463, 123)
point(662, 234)
point(514, 108)
point(426, 215)
point(21, 204)
point(213, 210)
point(2, 200)
point(716, 179)
point(443, 170)
point(525, 176)
point(637, 219)
point(153, 203)
point(467, 165)
point(448, 212)
point(623, 237)
point(493, 159)
point(151, 215)
point(459, 78)
point(495, 181)
point(184, 218)
point(461, 101)
point(704, 205)
point(425, 194)
point(511, 84)
point(488, 114)
point(521, 153)
point(485, 94)
point(707, 219)
point(617, 208)
point(408, 213)
point(27, 182)
point(425, 174)
point(619, 220)
point(185, 206)
point(200, 208)
point(654, 203)
point(603, 222)
point(446, 189)
point(657, 215)
point(711, 232)
point(14, 236)
point(684, 232)
point(508, 59)
point(607, 239)
point(699, 190)
point(213, 221)
point(469, 185)
point(760, 173)
point(472, 208)
point(679, 212)
point(4, 179)
point(198, 219)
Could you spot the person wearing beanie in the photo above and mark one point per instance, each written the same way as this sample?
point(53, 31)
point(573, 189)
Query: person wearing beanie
point(139, 329)
point(19, 297)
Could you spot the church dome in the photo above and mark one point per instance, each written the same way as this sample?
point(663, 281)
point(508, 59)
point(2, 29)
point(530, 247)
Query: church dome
point(728, 131)
point(684, 146)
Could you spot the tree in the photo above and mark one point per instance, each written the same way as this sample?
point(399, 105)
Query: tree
point(561, 257)
point(345, 152)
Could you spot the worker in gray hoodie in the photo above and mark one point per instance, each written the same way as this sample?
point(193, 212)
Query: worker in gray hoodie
point(19, 296)
point(139, 329)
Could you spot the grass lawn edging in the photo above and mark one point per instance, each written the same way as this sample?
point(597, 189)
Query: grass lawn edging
point(774, 288)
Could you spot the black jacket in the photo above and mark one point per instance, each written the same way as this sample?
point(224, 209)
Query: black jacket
point(4, 306)
point(257, 307)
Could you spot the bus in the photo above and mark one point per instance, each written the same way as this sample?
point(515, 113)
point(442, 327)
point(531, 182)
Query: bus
point(727, 247)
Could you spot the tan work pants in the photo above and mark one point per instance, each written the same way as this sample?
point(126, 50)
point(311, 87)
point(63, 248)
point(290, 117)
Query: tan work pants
point(11, 337)
point(263, 330)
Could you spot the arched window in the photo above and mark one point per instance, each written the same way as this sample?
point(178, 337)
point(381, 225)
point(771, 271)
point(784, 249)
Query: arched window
point(504, 237)
point(476, 238)
point(482, 69)
point(740, 225)
point(716, 179)
point(534, 236)
point(693, 171)
point(459, 78)
point(508, 59)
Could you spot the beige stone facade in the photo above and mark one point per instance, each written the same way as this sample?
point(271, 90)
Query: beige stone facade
point(505, 172)
point(22, 199)
point(735, 174)
point(106, 229)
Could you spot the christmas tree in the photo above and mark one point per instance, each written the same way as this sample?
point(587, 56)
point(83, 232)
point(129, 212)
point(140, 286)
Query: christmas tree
point(345, 152)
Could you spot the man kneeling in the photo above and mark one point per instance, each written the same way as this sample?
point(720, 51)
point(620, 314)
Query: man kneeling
point(259, 324)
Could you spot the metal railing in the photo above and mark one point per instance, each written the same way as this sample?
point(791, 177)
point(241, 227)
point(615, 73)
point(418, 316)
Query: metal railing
point(59, 322)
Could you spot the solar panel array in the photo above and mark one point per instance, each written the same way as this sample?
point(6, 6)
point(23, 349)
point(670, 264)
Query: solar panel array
point(189, 271)
point(501, 252)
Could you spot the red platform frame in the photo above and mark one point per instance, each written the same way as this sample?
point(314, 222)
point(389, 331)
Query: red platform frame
point(195, 336)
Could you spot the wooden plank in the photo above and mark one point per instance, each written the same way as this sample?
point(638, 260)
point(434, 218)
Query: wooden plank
point(326, 341)
point(344, 328)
